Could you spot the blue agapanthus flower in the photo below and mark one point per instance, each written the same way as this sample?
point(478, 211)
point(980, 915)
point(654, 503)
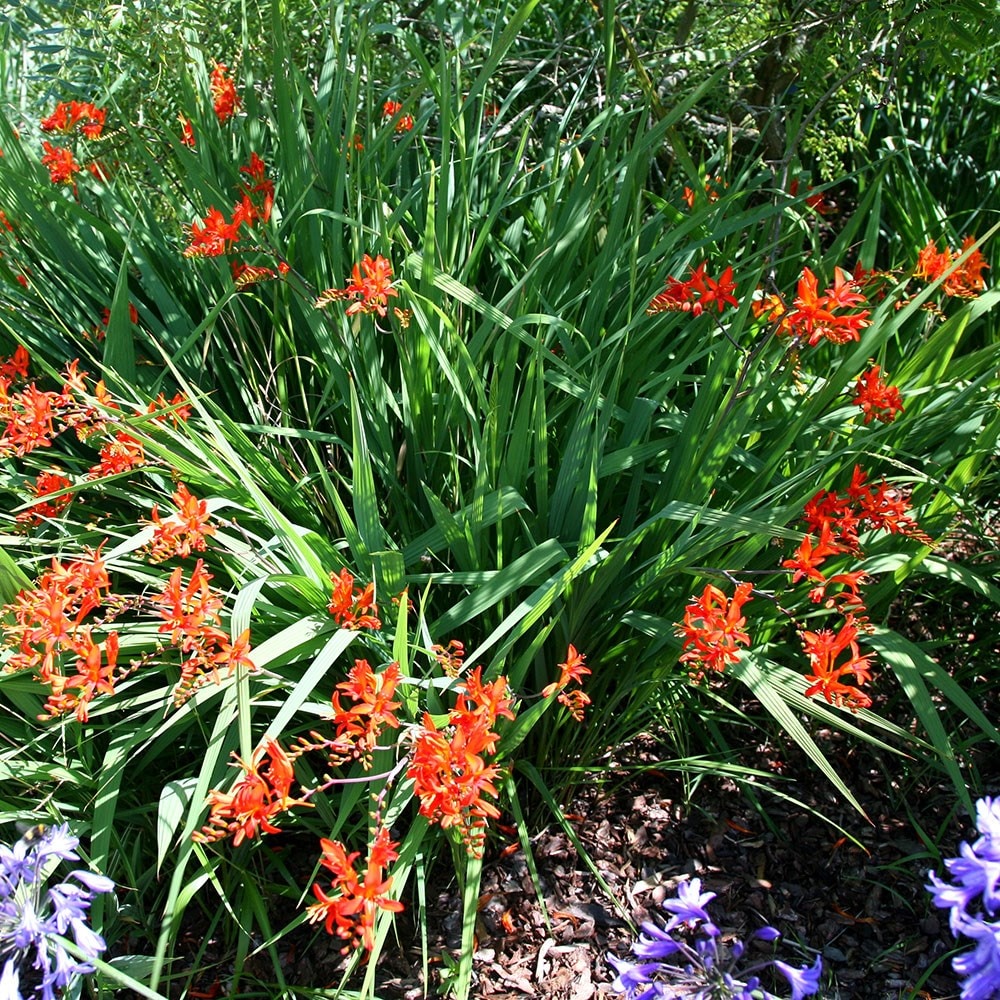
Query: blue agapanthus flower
point(972, 898)
point(34, 965)
point(689, 958)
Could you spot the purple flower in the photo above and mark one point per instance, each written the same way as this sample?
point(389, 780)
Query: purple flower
point(10, 981)
point(980, 967)
point(691, 958)
point(689, 906)
point(804, 981)
point(634, 981)
point(955, 898)
point(32, 918)
point(656, 943)
point(975, 875)
point(988, 824)
point(978, 874)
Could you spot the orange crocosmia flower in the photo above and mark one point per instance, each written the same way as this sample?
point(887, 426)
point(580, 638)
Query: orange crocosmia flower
point(181, 533)
point(883, 508)
point(233, 653)
point(887, 508)
point(571, 671)
point(46, 623)
point(773, 309)
point(261, 793)
point(391, 109)
point(963, 281)
point(372, 710)
point(828, 509)
point(177, 409)
point(60, 162)
point(68, 115)
point(103, 170)
point(31, 417)
point(187, 608)
point(371, 287)
point(207, 648)
point(448, 768)
point(711, 192)
point(260, 186)
point(451, 778)
point(575, 702)
point(481, 703)
point(695, 294)
point(45, 484)
point(187, 131)
point(225, 100)
point(211, 238)
point(815, 201)
point(823, 649)
point(120, 455)
point(848, 600)
point(931, 263)
point(967, 279)
point(450, 657)
point(808, 557)
point(351, 908)
point(351, 608)
point(95, 675)
point(245, 276)
point(815, 317)
point(712, 629)
point(877, 399)
point(16, 366)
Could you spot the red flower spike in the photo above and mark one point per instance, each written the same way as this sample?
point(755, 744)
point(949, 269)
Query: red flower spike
point(450, 774)
point(877, 400)
point(187, 131)
point(360, 725)
point(571, 671)
point(60, 163)
point(225, 101)
point(350, 913)
point(712, 629)
point(965, 281)
point(260, 794)
point(16, 366)
point(183, 532)
point(68, 115)
point(353, 608)
point(45, 484)
point(823, 649)
point(695, 294)
point(809, 557)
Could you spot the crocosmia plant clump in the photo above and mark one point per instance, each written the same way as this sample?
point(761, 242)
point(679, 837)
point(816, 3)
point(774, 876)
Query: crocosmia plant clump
point(690, 958)
point(972, 898)
point(33, 918)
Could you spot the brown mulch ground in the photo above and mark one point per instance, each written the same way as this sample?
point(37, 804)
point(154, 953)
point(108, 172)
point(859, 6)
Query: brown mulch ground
point(855, 895)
